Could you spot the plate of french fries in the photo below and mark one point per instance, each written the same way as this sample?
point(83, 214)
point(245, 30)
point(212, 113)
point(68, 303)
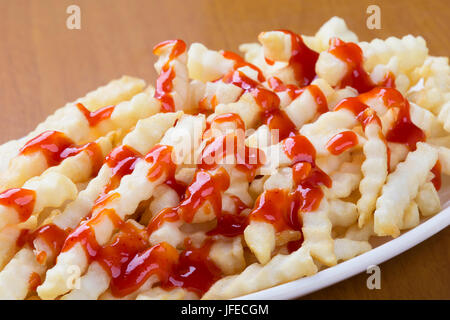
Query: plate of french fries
point(268, 174)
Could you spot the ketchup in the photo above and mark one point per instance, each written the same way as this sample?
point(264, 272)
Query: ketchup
point(240, 62)
point(164, 83)
point(56, 147)
point(341, 142)
point(303, 59)
point(280, 207)
point(94, 118)
point(21, 200)
point(121, 161)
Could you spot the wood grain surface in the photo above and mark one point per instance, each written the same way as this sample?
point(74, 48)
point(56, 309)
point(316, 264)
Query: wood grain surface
point(43, 65)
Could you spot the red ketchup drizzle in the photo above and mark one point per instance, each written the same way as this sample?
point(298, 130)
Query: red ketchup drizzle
point(303, 59)
point(404, 130)
point(352, 55)
point(34, 281)
point(342, 142)
point(268, 101)
point(436, 170)
point(248, 159)
point(231, 224)
point(195, 271)
point(230, 117)
point(293, 91)
point(240, 62)
point(206, 187)
point(97, 116)
point(122, 161)
point(21, 200)
point(279, 207)
point(177, 186)
point(56, 147)
point(164, 83)
point(52, 235)
point(161, 158)
point(158, 260)
point(278, 86)
point(233, 118)
point(363, 113)
point(191, 269)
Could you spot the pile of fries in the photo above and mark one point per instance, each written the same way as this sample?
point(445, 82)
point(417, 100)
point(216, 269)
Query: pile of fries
point(232, 174)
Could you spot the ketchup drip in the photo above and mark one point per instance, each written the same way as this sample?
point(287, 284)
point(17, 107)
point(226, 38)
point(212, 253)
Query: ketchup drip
point(293, 91)
point(21, 200)
point(404, 130)
point(248, 159)
point(205, 188)
point(230, 117)
point(164, 83)
point(265, 98)
point(303, 59)
point(352, 55)
point(52, 235)
point(92, 149)
point(158, 260)
point(95, 117)
point(278, 86)
point(192, 269)
point(195, 271)
point(56, 147)
point(279, 207)
point(240, 62)
point(122, 161)
point(278, 119)
point(231, 224)
point(268, 101)
point(34, 281)
point(341, 142)
point(161, 158)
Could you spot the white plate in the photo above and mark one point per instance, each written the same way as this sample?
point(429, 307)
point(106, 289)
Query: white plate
point(359, 264)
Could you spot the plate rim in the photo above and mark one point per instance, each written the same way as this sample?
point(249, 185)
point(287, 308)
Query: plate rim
point(344, 270)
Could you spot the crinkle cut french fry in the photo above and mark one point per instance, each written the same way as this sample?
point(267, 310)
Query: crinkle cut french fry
point(228, 255)
point(428, 200)
point(8, 240)
point(426, 121)
point(206, 65)
point(374, 170)
point(124, 116)
point(281, 269)
point(317, 234)
point(171, 57)
point(410, 51)
point(411, 217)
point(354, 232)
point(260, 237)
point(51, 190)
point(431, 84)
point(346, 249)
point(110, 94)
point(20, 267)
point(346, 179)
point(77, 168)
point(401, 187)
point(146, 134)
point(335, 27)
point(91, 285)
point(133, 189)
point(342, 213)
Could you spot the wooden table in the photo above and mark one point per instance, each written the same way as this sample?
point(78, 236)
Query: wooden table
point(43, 65)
